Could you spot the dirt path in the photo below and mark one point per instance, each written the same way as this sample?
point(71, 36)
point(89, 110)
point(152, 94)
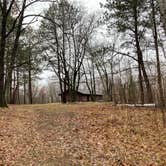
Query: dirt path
point(57, 135)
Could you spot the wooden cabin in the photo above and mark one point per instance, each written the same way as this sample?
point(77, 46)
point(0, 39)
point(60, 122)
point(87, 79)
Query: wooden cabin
point(83, 97)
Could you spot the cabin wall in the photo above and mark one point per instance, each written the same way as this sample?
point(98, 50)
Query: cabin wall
point(83, 98)
point(79, 98)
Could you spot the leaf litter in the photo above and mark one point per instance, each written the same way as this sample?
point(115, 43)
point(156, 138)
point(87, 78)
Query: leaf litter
point(84, 134)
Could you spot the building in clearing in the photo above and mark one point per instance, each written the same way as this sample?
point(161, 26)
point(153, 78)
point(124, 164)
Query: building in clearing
point(83, 97)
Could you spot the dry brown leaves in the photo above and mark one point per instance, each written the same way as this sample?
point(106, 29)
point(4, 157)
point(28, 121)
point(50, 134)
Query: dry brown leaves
point(81, 134)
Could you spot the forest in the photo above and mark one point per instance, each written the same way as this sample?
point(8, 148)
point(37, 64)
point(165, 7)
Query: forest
point(119, 52)
point(57, 57)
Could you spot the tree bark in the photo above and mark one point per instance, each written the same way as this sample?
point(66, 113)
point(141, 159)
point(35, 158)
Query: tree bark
point(141, 62)
point(16, 44)
point(24, 89)
point(155, 35)
point(2, 55)
point(30, 80)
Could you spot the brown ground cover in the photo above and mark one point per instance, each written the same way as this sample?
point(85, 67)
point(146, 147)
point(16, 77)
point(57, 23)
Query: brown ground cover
point(88, 134)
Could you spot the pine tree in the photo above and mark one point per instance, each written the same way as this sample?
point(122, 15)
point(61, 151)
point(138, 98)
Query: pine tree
point(128, 18)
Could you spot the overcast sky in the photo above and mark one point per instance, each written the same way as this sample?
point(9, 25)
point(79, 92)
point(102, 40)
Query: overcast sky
point(90, 5)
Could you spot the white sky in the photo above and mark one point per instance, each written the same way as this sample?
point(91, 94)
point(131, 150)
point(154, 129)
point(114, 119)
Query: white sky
point(90, 5)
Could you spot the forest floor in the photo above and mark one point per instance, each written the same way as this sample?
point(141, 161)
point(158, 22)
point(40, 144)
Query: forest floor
point(87, 134)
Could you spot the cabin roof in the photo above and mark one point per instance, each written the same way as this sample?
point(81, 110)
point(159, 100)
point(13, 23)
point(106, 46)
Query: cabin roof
point(84, 93)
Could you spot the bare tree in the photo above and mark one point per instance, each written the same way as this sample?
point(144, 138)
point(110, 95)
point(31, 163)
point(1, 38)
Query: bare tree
point(65, 43)
point(15, 10)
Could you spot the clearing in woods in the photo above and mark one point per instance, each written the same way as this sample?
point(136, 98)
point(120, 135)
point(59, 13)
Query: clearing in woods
point(81, 134)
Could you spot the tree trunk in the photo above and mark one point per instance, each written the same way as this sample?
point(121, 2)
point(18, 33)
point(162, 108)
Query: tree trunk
point(160, 86)
point(24, 89)
point(18, 86)
point(13, 88)
point(30, 80)
point(64, 58)
point(155, 35)
point(16, 44)
point(146, 79)
point(141, 62)
point(2, 56)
